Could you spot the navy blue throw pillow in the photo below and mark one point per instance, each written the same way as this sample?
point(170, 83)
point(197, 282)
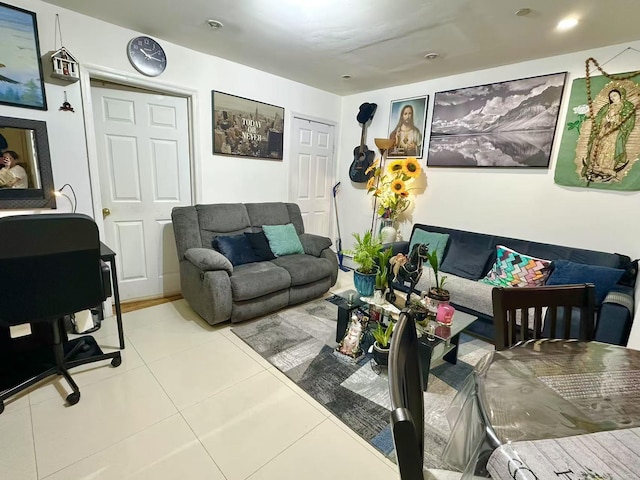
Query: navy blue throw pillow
point(260, 246)
point(567, 273)
point(236, 248)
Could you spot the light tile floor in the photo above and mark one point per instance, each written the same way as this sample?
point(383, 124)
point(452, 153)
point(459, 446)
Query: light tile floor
point(189, 402)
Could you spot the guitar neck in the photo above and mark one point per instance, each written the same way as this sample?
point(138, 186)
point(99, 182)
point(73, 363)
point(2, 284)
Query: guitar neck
point(362, 135)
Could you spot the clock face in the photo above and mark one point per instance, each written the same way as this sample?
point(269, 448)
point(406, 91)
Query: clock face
point(147, 56)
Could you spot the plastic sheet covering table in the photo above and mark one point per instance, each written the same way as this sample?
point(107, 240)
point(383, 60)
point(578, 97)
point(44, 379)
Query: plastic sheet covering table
point(544, 389)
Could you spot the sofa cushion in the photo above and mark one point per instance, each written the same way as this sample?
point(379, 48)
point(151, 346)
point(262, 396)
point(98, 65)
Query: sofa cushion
point(471, 294)
point(283, 239)
point(260, 246)
point(466, 260)
point(567, 273)
point(273, 213)
point(236, 248)
point(435, 241)
point(304, 268)
point(253, 280)
point(513, 269)
point(221, 219)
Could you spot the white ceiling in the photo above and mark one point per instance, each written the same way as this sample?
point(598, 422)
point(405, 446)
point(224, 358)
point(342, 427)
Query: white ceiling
point(380, 43)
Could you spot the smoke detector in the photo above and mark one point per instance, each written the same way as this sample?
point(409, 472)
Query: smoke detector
point(523, 12)
point(431, 56)
point(215, 24)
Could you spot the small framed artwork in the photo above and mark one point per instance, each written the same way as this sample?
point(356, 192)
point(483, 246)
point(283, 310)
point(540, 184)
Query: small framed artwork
point(246, 128)
point(406, 127)
point(21, 79)
point(504, 124)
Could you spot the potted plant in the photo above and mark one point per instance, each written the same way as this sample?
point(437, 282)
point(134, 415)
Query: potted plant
point(383, 271)
point(365, 252)
point(381, 345)
point(437, 294)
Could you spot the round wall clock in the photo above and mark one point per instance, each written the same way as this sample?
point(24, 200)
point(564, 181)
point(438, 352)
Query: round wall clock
point(147, 56)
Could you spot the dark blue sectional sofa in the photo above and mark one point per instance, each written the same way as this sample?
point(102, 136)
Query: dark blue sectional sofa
point(468, 256)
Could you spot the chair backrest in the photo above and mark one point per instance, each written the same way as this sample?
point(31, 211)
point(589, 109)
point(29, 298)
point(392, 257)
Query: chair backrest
point(562, 303)
point(49, 267)
point(407, 400)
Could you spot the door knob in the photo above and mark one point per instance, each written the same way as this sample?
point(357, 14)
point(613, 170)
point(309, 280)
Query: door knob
point(105, 212)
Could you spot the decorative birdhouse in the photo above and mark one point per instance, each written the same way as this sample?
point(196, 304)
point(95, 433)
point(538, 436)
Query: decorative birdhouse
point(65, 66)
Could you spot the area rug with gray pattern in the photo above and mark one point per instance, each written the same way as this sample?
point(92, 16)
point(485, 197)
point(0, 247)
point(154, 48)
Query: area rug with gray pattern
point(300, 342)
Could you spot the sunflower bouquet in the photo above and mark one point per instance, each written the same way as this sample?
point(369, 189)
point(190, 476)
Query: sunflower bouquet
point(391, 185)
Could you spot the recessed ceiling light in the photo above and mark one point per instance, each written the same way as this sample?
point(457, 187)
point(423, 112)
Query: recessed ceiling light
point(567, 24)
point(523, 12)
point(215, 24)
point(346, 76)
point(431, 56)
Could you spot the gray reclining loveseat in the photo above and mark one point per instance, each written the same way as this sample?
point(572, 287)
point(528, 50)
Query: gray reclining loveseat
point(219, 291)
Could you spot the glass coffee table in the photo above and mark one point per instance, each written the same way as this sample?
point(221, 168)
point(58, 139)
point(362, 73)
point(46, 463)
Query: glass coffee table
point(437, 342)
point(441, 342)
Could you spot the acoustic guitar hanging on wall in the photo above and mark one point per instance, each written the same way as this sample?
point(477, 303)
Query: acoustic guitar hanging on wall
point(362, 156)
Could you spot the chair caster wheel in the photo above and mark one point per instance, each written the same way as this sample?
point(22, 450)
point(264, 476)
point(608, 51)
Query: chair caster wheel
point(73, 398)
point(116, 361)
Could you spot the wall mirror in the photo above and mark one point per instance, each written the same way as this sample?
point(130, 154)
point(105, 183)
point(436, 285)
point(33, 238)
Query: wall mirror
point(28, 138)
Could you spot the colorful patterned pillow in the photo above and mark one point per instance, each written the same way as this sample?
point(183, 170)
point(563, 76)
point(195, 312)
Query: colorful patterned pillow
point(513, 269)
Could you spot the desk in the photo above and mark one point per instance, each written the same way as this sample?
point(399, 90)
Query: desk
point(520, 401)
point(108, 255)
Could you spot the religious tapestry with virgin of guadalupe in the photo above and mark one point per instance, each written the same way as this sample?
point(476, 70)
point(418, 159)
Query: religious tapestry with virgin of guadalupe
point(601, 152)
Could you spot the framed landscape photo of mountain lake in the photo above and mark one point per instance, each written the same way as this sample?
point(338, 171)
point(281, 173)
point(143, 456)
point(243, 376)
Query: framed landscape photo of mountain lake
point(504, 124)
point(21, 79)
point(407, 120)
point(246, 128)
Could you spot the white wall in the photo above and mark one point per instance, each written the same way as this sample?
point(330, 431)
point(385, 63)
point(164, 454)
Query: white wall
point(492, 200)
point(219, 178)
point(473, 199)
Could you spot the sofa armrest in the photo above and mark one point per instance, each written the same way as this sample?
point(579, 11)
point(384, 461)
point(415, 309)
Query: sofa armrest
point(207, 259)
point(397, 247)
point(616, 316)
point(314, 244)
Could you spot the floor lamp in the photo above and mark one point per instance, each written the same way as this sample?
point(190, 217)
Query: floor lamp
point(383, 144)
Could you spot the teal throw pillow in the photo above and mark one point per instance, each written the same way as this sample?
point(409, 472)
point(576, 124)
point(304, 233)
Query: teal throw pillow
point(283, 239)
point(435, 241)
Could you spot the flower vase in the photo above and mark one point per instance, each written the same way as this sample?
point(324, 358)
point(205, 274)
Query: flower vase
point(388, 231)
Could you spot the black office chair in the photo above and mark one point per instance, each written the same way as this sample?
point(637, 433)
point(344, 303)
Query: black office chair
point(50, 268)
point(570, 313)
point(407, 400)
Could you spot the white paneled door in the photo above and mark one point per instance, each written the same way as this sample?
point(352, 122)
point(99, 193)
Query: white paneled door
point(312, 174)
point(142, 140)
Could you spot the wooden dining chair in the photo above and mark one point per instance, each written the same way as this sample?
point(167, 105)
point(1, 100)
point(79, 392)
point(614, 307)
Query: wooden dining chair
point(570, 313)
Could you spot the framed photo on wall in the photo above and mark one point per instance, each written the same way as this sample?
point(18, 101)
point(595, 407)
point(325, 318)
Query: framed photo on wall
point(246, 128)
point(406, 127)
point(21, 79)
point(504, 124)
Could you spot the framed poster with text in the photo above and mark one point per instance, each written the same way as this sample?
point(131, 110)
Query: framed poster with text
point(246, 128)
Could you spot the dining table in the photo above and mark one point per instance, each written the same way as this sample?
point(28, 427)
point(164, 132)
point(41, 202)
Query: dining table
point(549, 409)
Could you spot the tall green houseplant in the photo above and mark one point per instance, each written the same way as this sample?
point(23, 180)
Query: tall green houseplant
point(365, 254)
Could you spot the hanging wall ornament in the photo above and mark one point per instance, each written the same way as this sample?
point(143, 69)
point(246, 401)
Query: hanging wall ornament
point(65, 66)
point(600, 144)
point(66, 106)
